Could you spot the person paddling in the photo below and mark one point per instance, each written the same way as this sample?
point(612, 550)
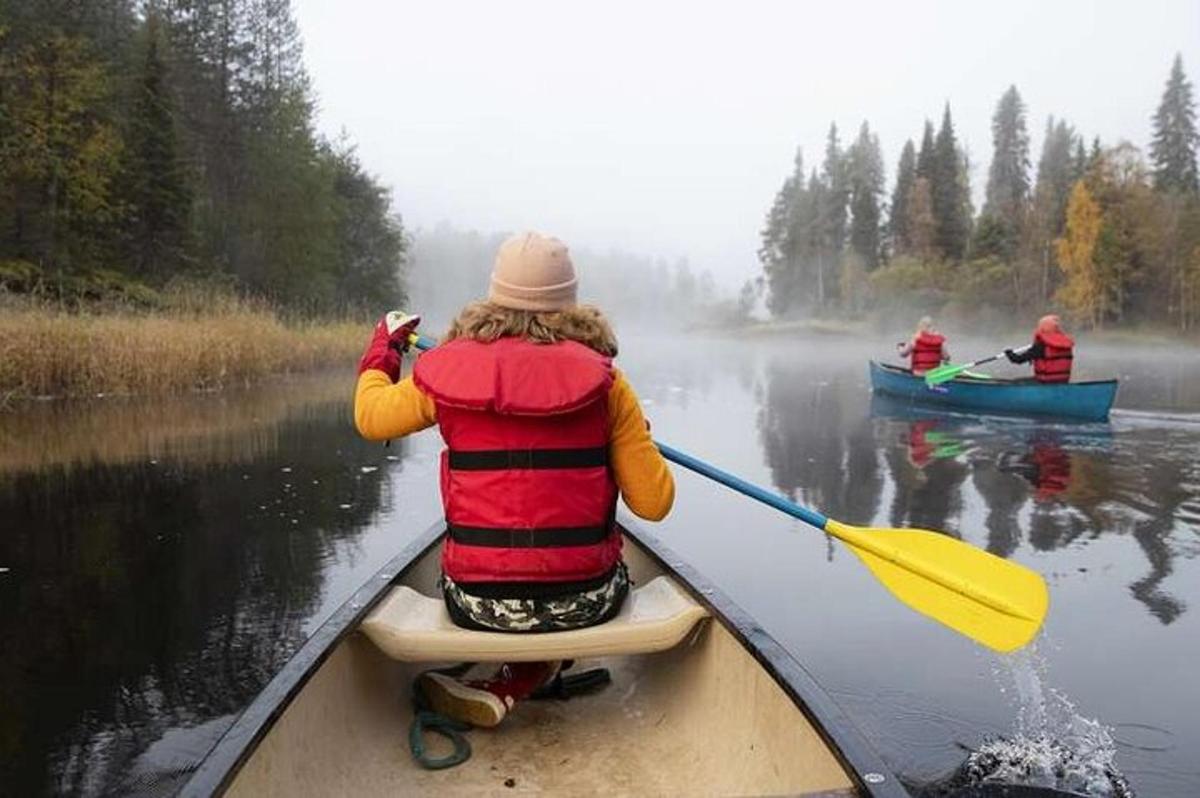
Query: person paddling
point(927, 347)
point(1052, 351)
point(542, 434)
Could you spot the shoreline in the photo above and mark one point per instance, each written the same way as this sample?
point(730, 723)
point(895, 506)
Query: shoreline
point(47, 353)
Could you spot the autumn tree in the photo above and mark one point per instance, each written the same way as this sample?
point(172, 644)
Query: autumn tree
point(1081, 293)
point(60, 154)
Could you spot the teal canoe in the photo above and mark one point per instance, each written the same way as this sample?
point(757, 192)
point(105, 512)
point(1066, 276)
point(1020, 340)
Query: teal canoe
point(1089, 401)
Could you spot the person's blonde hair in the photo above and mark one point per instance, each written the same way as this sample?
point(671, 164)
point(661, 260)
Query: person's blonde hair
point(584, 324)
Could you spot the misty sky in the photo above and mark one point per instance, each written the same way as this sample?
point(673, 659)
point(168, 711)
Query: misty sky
point(666, 128)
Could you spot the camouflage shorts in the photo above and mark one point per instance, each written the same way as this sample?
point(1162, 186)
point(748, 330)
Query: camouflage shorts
point(556, 614)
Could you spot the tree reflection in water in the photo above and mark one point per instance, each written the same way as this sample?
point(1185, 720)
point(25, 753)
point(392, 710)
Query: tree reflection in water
point(1067, 484)
point(153, 591)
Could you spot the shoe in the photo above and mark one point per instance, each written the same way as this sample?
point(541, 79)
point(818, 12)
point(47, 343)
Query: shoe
point(485, 702)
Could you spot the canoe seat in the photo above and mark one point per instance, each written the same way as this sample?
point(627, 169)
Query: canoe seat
point(412, 627)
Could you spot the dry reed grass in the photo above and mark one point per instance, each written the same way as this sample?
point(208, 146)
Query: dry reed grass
point(45, 351)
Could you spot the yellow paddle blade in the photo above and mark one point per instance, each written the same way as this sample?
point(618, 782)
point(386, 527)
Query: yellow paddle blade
point(995, 602)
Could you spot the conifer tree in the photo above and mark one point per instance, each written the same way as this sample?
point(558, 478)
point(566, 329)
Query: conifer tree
point(1008, 177)
point(865, 169)
point(1173, 150)
point(898, 221)
point(778, 252)
point(925, 159)
point(833, 172)
point(950, 195)
point(1059, 167)
point(159, 192)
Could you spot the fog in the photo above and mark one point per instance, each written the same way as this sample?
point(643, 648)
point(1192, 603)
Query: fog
point(666, 128)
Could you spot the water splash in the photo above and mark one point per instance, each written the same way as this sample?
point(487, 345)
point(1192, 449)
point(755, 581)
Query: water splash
point(1052, 744)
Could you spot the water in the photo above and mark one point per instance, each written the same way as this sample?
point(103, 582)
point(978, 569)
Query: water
point(159, 560)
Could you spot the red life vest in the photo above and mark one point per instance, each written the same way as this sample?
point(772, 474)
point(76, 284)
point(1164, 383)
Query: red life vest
point(1055, 364)
point(526, 487)
point(926, 351)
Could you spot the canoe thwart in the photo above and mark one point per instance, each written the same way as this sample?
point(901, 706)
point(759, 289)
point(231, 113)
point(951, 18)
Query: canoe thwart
point(412, 627)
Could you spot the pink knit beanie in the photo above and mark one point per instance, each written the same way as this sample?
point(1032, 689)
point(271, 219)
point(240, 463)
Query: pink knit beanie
point(533, 272)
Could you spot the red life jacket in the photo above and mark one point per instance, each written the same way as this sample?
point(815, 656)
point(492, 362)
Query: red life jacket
point(1055, 364)
point(526, 487)
point(926, 351)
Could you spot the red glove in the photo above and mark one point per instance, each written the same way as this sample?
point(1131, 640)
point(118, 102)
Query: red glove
point(383, 352)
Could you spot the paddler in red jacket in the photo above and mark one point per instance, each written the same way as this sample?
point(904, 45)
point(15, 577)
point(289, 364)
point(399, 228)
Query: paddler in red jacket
point(542, 435)
point(1052, 351)
point(927, 347)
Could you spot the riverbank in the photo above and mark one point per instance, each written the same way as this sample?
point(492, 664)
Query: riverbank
point(48, 352)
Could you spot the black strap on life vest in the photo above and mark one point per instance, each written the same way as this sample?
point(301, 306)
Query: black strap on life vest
point(545, 538)
point(504, 459)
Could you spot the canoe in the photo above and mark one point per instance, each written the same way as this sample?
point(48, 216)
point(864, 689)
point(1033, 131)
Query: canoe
point(1088, 401)
point(720, 708)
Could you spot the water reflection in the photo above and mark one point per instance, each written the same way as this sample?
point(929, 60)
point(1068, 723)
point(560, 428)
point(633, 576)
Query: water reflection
point(817, 442)
point(159, 575)
point(1076, 482)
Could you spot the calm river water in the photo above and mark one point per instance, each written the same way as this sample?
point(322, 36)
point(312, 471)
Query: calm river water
point(160, 560)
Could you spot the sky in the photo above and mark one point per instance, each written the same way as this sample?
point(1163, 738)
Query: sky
point(665, 128)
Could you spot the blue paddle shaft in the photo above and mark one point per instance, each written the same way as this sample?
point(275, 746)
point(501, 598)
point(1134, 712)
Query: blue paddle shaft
point(712, 472)
point(742, 486)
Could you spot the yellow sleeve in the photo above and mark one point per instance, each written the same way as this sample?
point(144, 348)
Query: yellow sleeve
point(641, 473)
point(383, 410)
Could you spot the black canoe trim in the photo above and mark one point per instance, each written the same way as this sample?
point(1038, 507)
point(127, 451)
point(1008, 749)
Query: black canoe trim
point(862, 763)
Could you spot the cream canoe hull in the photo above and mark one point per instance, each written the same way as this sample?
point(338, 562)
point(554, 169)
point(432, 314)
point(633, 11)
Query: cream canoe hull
point(725, 712)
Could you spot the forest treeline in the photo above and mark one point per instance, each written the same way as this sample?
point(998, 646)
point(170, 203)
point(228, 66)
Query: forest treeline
point(144, 141)
point(1099, 231)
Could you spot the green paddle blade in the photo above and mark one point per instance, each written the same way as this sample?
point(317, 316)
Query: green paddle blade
point(993, 601)
point(945, 373)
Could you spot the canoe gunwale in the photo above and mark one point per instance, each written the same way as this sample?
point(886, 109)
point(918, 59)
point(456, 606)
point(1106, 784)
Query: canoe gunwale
point(217, 771)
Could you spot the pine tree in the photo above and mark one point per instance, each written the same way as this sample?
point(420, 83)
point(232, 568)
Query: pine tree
point(898, 222)
point(371, 242)
point(1057, 171)
point(833, 172)
point(926, 157)
point(865, 170)
point(778, 251)
point(950, 196)
point(1008, 177)
point(811, 233)
point(1173, 150)
point(159, 192)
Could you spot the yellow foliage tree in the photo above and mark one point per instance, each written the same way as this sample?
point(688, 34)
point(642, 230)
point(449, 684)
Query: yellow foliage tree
point(1082, 292)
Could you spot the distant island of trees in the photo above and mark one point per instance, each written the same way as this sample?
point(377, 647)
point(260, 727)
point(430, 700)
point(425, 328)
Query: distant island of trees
point(1098, 232)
